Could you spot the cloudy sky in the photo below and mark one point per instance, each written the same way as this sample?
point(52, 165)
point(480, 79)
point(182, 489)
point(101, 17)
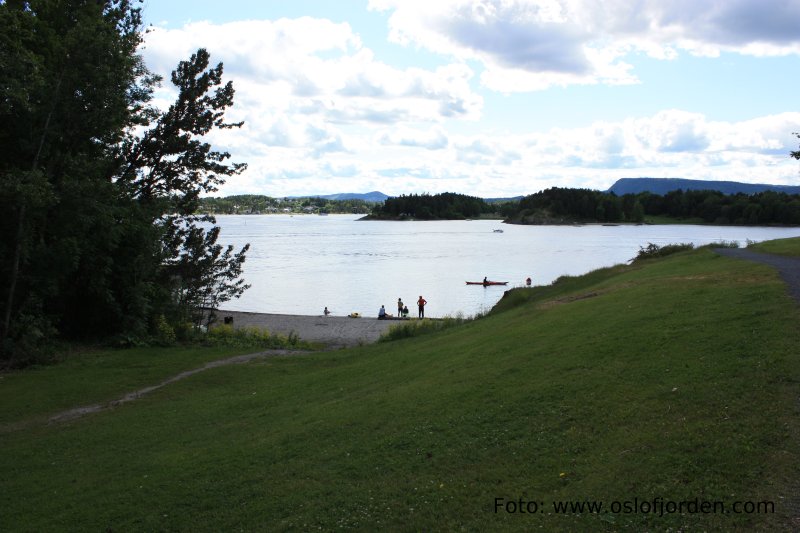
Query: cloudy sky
point(494, 97)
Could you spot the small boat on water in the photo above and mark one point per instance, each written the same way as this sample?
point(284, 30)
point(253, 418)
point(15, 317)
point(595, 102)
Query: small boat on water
point(498, 231)
point(487, 283)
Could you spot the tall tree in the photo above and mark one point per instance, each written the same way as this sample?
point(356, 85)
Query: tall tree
point(96, 214)
point(167, 168)
point(67, 67)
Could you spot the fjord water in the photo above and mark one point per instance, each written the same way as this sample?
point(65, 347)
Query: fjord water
point(300, 264)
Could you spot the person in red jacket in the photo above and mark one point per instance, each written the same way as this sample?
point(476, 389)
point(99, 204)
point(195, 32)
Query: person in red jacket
point(421, 304)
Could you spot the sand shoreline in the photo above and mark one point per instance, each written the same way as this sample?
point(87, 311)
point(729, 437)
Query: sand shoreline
point(332, 331)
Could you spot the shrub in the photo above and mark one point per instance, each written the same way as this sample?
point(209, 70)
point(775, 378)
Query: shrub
point(653, 250)
point(415, 328)
point(227, 335)
point(164, 333)
point(722, 244)
point(30, 341)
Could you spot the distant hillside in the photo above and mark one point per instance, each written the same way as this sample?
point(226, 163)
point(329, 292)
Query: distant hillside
point(500, 200)
point(374, 196)
point(664, 185)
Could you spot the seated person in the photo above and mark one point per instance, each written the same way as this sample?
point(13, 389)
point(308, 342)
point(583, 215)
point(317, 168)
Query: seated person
point(381, 313)
point(405, 311)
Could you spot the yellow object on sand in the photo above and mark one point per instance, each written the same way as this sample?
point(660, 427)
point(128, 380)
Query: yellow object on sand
point(354, 315)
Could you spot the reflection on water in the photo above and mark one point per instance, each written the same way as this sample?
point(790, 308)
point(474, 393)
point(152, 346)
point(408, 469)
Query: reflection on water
point(300, 264)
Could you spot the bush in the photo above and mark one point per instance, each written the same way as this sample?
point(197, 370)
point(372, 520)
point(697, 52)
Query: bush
point(30, 341)
point(415, 328)
point(723, 244)
point(164, 333)
point(227, 335)
point(654, 250)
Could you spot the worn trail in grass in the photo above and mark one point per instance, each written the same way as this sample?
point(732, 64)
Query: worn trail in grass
point(674, 379)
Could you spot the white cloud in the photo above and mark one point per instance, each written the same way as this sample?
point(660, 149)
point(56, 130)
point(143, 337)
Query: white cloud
point(317, 67)
point(671, 143)
point(528, 45)
point(433, 139)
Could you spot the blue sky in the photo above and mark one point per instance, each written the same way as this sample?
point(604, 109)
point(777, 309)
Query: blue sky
point(494, 97)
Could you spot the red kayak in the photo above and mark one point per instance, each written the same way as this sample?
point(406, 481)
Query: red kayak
point(485, 283)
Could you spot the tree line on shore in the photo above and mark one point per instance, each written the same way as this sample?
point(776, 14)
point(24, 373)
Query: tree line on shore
point(100, 189)
point(583, 205)
point(444, 206)
point(567, 205)
point(259, 204)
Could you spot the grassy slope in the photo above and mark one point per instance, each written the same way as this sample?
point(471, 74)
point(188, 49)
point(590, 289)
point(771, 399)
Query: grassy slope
point(94, 376)
point(674, 379)
point(790, 246)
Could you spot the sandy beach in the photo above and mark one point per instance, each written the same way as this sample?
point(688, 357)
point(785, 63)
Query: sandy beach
point(333, 331)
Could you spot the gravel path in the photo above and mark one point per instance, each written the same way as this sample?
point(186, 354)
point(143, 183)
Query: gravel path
point(788, 267)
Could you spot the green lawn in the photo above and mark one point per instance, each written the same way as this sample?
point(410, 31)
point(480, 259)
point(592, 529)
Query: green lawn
point(94, 376)
point(789, 247)
point(674, 378)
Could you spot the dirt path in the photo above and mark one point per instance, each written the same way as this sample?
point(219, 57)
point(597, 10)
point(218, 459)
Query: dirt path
point(333, 332)
point(788, 267)
point(78, 412)
point(135, 395)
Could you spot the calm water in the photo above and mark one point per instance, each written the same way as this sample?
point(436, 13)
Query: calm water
point(300, 264)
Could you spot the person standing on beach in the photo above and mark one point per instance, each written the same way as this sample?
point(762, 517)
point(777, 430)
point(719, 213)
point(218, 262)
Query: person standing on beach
point(399, 307)
point(421, 303)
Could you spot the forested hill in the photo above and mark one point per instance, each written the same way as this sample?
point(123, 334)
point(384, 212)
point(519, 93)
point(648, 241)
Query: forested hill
point(566, 206)
point(444, 206)
point(665, 185)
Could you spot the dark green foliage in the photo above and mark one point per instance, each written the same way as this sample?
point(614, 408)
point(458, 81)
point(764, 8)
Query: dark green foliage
point(444, 206)
point(85, 243)
point(563, 205)
point(69, 71)
point(203, 275)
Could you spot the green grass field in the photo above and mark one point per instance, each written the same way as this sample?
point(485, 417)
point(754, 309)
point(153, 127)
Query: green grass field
point(779, 247)
point(674, 378)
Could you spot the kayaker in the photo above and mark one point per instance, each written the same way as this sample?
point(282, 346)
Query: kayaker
point(421, 304)
point(485, 280)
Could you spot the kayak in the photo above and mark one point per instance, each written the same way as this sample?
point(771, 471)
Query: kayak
point(484, 283)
